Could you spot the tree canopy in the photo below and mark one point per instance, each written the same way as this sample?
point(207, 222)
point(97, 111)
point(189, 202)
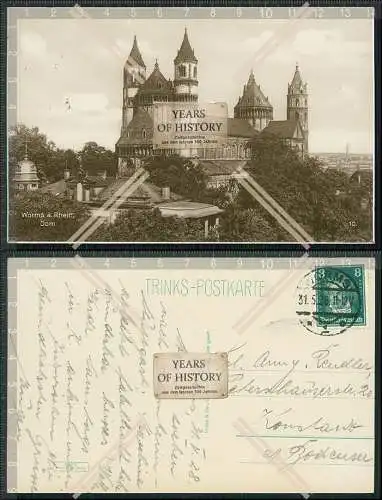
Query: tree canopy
point(149, 225)
point(51, 160)
point(36, 216)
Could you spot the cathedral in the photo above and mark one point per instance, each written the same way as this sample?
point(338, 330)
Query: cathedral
point(253, 113)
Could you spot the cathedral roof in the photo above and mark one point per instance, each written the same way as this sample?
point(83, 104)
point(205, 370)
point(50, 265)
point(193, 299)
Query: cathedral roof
point(135, 53)
point(253, 95)
point(156, 83)
point(139, 131)
point(296, 83)
point(240, 128)
point(285, 129)
point(185, 53)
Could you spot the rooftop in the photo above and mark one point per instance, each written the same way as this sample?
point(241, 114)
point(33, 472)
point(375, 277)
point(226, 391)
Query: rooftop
point(253, 95)
point(188, 209)
point(185, 53)
point(283, 128)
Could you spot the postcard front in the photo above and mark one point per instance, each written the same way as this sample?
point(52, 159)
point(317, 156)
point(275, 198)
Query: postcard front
point(295, 337)
point(261, 132)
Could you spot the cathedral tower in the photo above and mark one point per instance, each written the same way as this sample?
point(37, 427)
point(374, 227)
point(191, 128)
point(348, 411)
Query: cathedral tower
point(186, 72)
point(297, 103)
point(134, 74)
point(253, 105)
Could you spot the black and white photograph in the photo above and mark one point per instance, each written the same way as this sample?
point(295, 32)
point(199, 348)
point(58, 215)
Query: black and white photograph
point(230, 125)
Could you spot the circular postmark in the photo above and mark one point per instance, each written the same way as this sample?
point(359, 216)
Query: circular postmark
point(328, 301)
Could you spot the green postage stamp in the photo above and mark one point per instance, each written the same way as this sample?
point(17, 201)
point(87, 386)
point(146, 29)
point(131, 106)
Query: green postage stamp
point(340, 296)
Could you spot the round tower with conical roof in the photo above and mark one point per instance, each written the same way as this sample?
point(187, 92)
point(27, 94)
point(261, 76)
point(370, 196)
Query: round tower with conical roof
point(186, 72)
point(297, 103)
point(253, 105)
point(134, 75)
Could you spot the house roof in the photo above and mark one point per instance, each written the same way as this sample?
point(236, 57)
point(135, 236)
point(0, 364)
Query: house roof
point(188, 209)
point(97, 181)
point(135, 53)
point(240, 128)
point(156, 83)
point(253, 95)
point(222, 167)
point(185, 53)
point(283, 128)
point(148, 191)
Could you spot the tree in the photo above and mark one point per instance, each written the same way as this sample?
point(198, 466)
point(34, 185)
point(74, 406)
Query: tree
point(322, 201)
point(41, 151)
point(182, 175)
point(246, 224)
point(36, 216)
point(96, 158)
point(51, 161)
point(149, 225)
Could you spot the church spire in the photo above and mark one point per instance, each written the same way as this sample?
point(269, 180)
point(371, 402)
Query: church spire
point(296, 82)
point(185, 53)
point(297, 103)
point(135, 53)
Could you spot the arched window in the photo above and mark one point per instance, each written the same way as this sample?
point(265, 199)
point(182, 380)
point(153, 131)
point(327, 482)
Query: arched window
point(182, 70)
point(195, 72)
point(297, 102)
point(144, 133)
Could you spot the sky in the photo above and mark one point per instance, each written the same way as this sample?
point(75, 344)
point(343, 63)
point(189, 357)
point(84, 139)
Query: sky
point(82, 60)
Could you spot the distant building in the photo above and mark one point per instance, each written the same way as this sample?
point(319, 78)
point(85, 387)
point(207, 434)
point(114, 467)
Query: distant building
point(26, 178)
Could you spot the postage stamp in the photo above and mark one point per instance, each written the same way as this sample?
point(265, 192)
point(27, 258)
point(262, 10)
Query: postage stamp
point(331, 299)
point(340, 296)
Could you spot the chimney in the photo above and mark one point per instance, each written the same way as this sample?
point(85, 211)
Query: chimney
point(166, 193)
point(66, 174)
point(79, 191)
